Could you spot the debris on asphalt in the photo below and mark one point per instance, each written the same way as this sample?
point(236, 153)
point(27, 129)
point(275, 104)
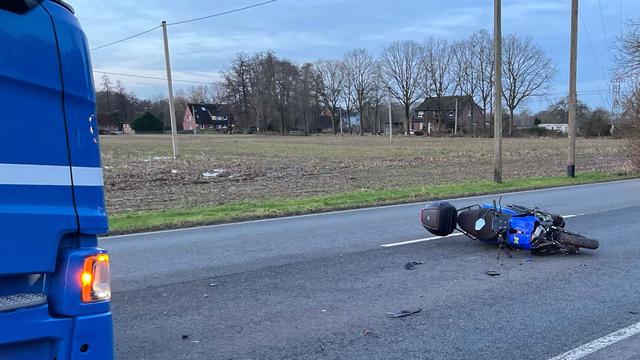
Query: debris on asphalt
point(366, 333)
point(634, 312)
point(206, 296)
point(583, 265)
point(403, 313)
point(411, 265)
point(185, 337)
point(214, 284)
point(492, 273)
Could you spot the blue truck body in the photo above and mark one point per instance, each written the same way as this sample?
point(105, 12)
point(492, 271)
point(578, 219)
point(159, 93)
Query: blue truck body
point(51, 189)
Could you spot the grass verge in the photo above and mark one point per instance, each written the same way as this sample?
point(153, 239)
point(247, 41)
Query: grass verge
point(176, 218)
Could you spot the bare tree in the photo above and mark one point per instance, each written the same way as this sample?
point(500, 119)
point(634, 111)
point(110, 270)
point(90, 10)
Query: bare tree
point(107, 88)
point(202, 93)
point(348, 88)
point(378, 94)
point(359, 68)
point(482, 44)
point(331, 85)
point(466, 78)
point(235, 88)
point(527, 72)
point(307, 94)
point(628, 69)
point(628, 50)
point(286, 78)
point(403, 73)
point(437, 62)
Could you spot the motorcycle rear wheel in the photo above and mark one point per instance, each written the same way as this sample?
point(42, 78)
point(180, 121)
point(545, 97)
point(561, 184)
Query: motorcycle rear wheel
point(577, 240)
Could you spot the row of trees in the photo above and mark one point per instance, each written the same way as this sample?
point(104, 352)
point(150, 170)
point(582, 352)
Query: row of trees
point(276, 94)
point(123, 105)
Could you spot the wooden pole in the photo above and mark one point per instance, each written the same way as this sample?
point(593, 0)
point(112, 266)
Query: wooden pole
point(497, 114)
point(573, 97)
point(172, 112)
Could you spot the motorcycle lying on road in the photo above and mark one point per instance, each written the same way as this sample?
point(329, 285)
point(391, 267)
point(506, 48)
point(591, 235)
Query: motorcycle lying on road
point(511, 227)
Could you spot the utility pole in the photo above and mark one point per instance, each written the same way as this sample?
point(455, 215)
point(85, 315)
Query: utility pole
point(172, 112)
point(573, 97)
point(390, 120)
point(497, 114)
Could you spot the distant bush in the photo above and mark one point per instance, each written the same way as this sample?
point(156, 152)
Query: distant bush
point(418, 133)
point(634, 149)
point(147, 122)
point(632, 135)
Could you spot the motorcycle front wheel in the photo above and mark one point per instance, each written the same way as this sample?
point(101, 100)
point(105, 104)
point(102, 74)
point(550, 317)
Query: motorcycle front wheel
point(576, 240)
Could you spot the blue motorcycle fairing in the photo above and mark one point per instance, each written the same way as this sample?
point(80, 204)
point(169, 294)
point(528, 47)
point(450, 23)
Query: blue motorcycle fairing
point(521, 228)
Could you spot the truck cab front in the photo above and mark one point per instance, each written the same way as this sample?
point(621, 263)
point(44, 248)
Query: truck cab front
point(54, 280)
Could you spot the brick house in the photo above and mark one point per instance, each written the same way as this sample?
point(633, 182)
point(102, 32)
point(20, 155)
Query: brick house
point(108, 125)
point(208, 117)
point(434, 111)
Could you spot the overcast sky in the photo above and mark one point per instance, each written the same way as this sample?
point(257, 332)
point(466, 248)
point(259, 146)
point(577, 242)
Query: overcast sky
point(305, 30)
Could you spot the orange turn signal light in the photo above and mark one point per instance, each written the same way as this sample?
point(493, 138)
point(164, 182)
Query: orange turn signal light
point(96, 278)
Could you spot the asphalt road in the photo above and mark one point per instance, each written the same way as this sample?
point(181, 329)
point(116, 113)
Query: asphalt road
point(319, 287)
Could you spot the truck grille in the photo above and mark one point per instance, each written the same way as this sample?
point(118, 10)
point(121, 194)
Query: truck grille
point(19, 301)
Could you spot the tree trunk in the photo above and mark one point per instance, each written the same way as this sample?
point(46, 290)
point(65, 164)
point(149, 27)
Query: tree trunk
point(407, 124)
point(362, 118)
point(333, 124)
point(510, 120)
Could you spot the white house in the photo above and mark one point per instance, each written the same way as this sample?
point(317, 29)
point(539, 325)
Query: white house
point(563, 128)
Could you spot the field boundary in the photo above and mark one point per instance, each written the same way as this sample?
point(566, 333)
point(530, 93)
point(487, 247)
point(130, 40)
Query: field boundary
point(136, 222)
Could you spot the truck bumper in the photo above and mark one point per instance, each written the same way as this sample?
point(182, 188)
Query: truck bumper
point(32, 334)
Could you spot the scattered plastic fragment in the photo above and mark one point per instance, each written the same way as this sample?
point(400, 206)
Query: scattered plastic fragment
point(214, 173)
point(213, 284)
point(411, 265)
point(403, 313)
point(366, 333)
point(185, 337)
point(634, 312)
point(492, 273)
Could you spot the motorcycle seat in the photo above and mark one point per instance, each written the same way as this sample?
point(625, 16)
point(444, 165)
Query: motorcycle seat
point(478, 223)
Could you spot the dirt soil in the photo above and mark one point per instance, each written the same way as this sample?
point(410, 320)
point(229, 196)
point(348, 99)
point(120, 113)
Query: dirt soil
point(216, 169)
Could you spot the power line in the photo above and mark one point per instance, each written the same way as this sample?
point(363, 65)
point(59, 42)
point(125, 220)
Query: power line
point(604, 30)
point(595, 55)
point(125, 39)
point(152, 77)
point(222, 13)
point(184, 22)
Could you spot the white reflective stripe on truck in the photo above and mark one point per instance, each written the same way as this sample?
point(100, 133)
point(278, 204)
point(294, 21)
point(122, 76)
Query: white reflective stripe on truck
point(49, 175)
point(87, 176)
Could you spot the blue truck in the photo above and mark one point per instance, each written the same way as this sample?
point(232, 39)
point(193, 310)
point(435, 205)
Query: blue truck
point(54, 279)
